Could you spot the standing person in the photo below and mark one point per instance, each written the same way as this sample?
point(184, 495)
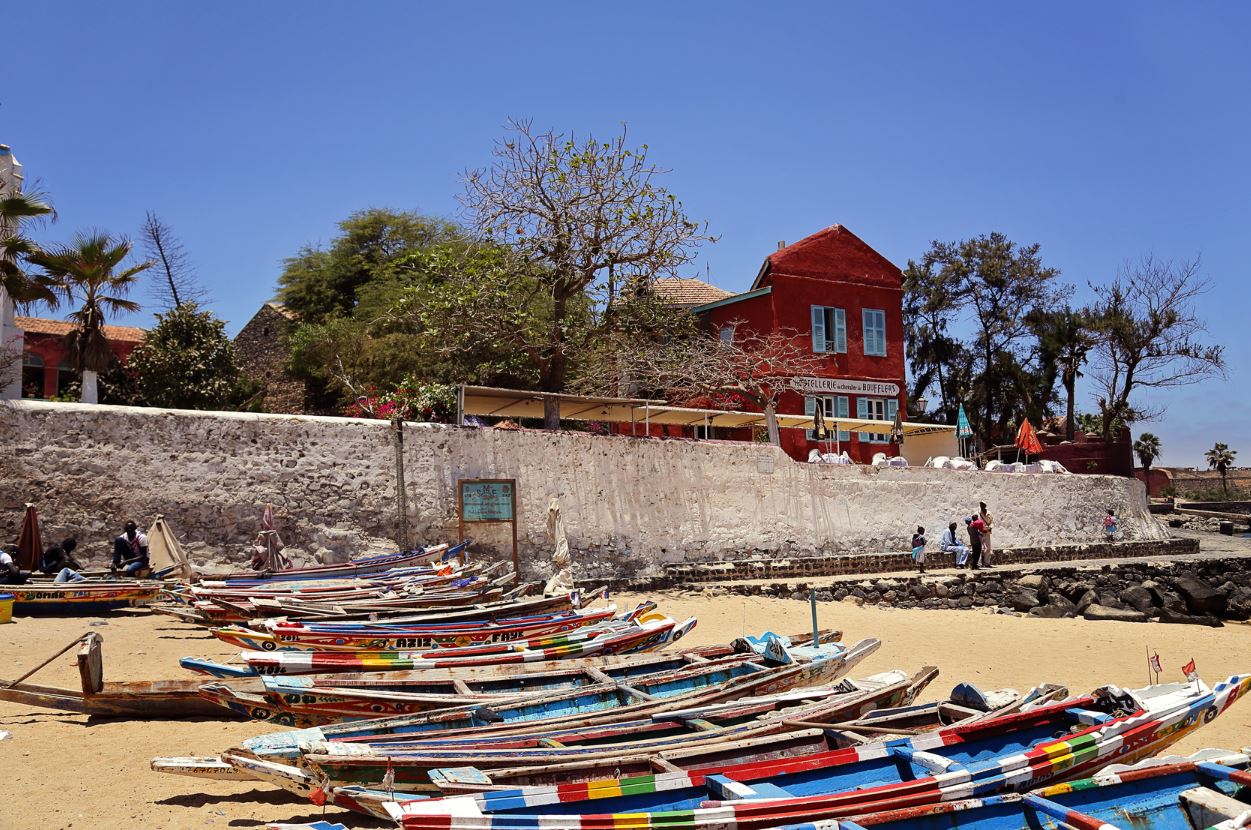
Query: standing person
point(130, 550)
point(1109, 525)
point(975, 525)
point(950, 543)
point(918, 548)
point(987, 558)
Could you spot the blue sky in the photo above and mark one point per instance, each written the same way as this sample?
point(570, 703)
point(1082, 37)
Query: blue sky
point(1102, 131)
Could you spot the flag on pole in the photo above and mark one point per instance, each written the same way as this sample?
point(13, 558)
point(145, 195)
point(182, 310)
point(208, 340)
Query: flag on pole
point(1155, 663)
point(963, 430)
point(896, 429)
point(1189, 669)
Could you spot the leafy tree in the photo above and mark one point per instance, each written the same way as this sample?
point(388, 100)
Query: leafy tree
point(588, 223)
point(1149, 337)
point(17, 211)
point(1148, 449)
point(187, 362)
point(1065, 339)
point(321, 284)
point(90, 273)
point(1221, 458)
point(999, 290)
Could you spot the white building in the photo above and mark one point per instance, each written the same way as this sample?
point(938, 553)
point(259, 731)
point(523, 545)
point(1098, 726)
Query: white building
point(11, 341)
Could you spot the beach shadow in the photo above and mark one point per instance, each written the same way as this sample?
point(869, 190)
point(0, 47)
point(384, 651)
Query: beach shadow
point(67, 717)
point(350, 819)
point(198, 800)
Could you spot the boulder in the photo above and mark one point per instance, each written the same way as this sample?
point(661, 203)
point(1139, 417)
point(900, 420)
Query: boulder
point(1020, 599)
point(1038, 583)
point(965, 602)
point(1103, 612)
point(920, 590)
point(1239, 606)
point(1201, 598)
point(941, 590)
point(1078, 590)
point(1051, 612)
point(1086, 600)
point(1169, 616)
point(1138, 598)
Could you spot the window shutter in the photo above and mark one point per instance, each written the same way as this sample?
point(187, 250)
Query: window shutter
point(818, 328)
point(840, 330)
point(862, 411)
point(892, 408)
point(810, 409)
point(843, 411)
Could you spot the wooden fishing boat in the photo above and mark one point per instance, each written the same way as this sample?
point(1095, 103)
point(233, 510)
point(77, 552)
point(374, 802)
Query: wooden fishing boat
point(647, 632)
point(364, 565)
point(307, 706)
point(577, 753)
point(292, 636)
point(1209, 789)
point(77, 597)
point(1014, 753)
point(146, 699)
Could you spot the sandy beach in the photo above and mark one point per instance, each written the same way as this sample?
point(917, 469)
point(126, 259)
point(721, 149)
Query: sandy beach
point(73, 773)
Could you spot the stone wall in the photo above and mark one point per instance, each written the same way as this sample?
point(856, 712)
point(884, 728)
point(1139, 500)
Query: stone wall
point(630, 505)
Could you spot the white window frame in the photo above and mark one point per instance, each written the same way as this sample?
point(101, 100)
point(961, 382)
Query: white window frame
point(878, 332)
point(827, 321)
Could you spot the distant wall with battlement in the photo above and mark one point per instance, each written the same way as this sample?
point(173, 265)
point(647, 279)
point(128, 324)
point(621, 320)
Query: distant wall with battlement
point(631, 505)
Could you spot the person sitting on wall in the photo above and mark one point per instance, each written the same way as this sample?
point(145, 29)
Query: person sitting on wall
point(10, 573)
point(59, 561)
point(949, 543)
point(130, 551)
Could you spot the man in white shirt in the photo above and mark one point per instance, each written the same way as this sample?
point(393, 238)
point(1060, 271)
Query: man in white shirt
point(949, 543)
point(10, 574)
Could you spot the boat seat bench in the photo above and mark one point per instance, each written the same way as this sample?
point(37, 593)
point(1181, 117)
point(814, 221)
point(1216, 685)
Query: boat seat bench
point(727, 789)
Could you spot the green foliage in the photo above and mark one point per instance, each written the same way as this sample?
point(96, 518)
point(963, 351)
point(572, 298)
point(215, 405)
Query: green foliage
point(409, 400)
point(1007, 298)
point(1221, 458)
point(321, 284)
point(1148, 449)
point(187, 362)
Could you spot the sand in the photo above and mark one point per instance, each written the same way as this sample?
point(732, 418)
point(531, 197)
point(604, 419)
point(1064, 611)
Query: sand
point(62, 771)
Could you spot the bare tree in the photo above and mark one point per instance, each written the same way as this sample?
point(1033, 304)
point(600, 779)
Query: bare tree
point(1149, 337)
point(747, 370)
point(175, 281)
point(588, 217)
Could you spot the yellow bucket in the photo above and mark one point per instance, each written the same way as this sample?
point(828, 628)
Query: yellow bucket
point(6, 608)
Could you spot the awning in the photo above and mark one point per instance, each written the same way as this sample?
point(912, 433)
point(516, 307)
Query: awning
point(513, 403)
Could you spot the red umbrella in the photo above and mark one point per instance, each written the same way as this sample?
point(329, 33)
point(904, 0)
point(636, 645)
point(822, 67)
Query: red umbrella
point(29, 541)
point(1027, 439)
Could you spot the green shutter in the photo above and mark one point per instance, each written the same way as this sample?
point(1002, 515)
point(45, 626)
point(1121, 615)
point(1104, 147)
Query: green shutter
point(810, 409)
point(840, 331)
point(842, 408)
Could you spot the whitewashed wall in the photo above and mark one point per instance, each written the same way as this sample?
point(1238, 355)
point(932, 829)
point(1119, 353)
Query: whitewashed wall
point(630, 504)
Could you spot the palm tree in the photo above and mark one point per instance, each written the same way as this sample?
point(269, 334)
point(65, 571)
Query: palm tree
point(1147, 448)
point(86, 272)
point(1219, 458)
point(18, 209)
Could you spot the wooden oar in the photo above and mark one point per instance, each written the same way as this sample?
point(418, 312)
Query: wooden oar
point(46, 662)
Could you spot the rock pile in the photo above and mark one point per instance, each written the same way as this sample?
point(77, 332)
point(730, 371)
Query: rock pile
point(1203, 593)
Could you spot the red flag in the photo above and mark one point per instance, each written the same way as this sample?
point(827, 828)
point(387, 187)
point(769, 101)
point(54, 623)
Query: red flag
point(1027, 439)
point(1155, 663)
point(1189, 669)
point(318, 796)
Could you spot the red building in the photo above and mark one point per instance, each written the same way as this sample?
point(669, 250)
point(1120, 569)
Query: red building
point(832, 289)
point(46, 370)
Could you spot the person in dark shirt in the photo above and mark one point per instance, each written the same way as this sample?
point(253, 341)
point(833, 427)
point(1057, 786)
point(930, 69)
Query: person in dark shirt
point(59, 561)
point(130, 550)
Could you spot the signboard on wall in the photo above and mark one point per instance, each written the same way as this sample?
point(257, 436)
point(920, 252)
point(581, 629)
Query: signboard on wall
point(839, 386)
point(489, 500)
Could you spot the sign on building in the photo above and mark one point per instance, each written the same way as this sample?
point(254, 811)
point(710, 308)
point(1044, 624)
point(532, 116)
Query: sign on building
point(839, 386)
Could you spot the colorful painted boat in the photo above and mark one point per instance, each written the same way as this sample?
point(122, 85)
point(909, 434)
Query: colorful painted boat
point(372, 637)
point(649, 632)
point(579, 751)
point(364, 565)
point(986, 758)
point(82, 596)
point(1205, 791)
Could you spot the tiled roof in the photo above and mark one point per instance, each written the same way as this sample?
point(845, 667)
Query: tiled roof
point(692, 292)
point(283, 310)
point(40, 325)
